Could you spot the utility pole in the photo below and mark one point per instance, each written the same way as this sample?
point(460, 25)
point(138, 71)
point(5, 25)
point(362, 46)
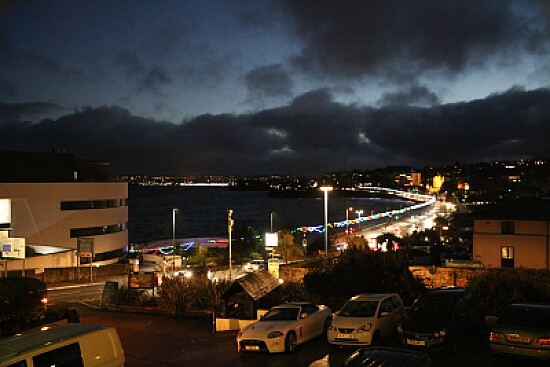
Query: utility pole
point(230, 223)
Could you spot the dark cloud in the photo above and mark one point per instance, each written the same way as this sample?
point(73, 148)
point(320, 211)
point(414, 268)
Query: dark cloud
point(26, 111)
point(311, 135)
point(8, 89)
point(34, 60)
point(400, 40)
point(268, 81)
point(148, 78)
point(417, 95)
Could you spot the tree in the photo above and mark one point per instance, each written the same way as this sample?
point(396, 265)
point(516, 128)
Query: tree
point(358, 242)
point(359, 271)
point(288, 248)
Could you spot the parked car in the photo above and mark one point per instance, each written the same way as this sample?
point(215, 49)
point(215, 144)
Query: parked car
point(284, 327)
point(194, 271)
point(387, 357)
point(523, 330)
point(255, 265)
point(366, 319)
point(443, 318)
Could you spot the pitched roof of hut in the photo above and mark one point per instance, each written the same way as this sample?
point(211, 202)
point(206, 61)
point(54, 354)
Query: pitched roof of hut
point(256, 285)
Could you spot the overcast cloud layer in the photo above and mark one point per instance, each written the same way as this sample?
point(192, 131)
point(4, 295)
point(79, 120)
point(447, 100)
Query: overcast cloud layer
point(275, 86)
point(311, 135)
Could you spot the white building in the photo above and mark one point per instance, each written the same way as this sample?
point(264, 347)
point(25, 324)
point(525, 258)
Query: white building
point(52, 217)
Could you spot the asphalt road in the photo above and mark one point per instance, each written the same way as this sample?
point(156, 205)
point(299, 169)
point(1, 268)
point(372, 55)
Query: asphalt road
point(162, 340)
point(72, 293)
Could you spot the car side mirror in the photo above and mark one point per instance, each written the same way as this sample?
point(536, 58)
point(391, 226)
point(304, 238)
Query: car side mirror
point(303, 315)
point(490, 321)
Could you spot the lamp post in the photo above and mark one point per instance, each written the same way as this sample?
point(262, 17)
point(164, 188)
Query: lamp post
point(347, 224)
point(174, 212)
point(230, 223)
point(359, 212)
point(325, 190)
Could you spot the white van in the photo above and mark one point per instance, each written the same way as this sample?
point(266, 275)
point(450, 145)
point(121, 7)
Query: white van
point(63, 345)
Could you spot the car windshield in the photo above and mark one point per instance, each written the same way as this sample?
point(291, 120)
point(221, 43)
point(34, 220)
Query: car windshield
point(526, 317)
point(433, 307)
point(280, 314)
point(359, 309)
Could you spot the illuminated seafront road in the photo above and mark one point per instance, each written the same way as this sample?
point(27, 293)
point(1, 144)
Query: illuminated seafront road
point(367, 226)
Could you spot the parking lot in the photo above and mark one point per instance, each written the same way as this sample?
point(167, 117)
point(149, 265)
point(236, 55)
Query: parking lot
point(162, 340)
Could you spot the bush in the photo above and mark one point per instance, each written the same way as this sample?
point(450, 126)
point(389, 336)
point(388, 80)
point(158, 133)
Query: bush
point(20, 299)
point(501, 287)
point(179, 295)
point(130, 297)
point(361, 271)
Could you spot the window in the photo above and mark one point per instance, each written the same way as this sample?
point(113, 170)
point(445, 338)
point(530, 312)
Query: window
point(94, 204)
point(507, 227)
point(507, 257)
point(386, 306)
point(97, 231)
point(67, 356)
point(309, 309)
point(397, 302)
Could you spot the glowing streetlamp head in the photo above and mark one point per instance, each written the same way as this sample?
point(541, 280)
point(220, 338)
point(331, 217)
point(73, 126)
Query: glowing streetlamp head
point(326, 188)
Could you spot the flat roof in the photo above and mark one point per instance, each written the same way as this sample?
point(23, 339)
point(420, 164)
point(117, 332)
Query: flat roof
point(28, 340)
point(519, 209)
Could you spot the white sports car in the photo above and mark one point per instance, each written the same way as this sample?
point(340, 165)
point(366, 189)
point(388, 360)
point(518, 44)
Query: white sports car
point(285, 326)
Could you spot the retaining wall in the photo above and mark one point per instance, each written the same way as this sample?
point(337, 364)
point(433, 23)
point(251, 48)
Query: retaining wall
point(432, 276)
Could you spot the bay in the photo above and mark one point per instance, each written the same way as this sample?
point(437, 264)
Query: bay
point(203, 211)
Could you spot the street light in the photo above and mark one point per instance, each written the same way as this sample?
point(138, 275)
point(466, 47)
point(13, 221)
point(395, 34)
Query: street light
point(174, 212)
point(347, 224)
point(325, 190)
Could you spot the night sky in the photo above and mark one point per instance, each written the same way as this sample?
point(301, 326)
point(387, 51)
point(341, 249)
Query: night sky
point(302, 87)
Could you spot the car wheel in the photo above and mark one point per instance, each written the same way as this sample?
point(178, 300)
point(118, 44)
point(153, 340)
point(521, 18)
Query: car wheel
point(290, 342)
point(376, 339)
point(328, 321)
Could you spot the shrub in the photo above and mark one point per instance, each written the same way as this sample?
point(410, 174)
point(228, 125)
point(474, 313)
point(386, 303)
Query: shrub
point(20, 299)
point(180, 295)
point(360, 271)
point(501, 287)
point(130, 297)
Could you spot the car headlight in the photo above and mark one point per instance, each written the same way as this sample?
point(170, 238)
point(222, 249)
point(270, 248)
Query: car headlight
point(365, 327)
point(440, 334)
point(274, 334)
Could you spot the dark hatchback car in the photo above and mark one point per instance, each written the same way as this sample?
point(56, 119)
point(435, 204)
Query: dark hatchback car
point(523, 330)
point(443, 319)
point(387, 357)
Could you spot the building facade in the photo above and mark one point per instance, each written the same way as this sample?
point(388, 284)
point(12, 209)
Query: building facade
point(54, 204)
point(514, 234)
point(56, 215)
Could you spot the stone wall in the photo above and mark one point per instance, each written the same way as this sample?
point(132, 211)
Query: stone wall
point(75, 275)
point(434, 276)
point(293, 275)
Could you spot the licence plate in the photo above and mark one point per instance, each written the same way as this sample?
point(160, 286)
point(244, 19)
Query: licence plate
point(345, 336)
point(251, 347)
point(519, 339)
point(415, 342)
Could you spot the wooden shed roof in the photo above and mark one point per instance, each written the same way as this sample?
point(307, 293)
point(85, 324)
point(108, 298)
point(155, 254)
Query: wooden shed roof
point(256, 285)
